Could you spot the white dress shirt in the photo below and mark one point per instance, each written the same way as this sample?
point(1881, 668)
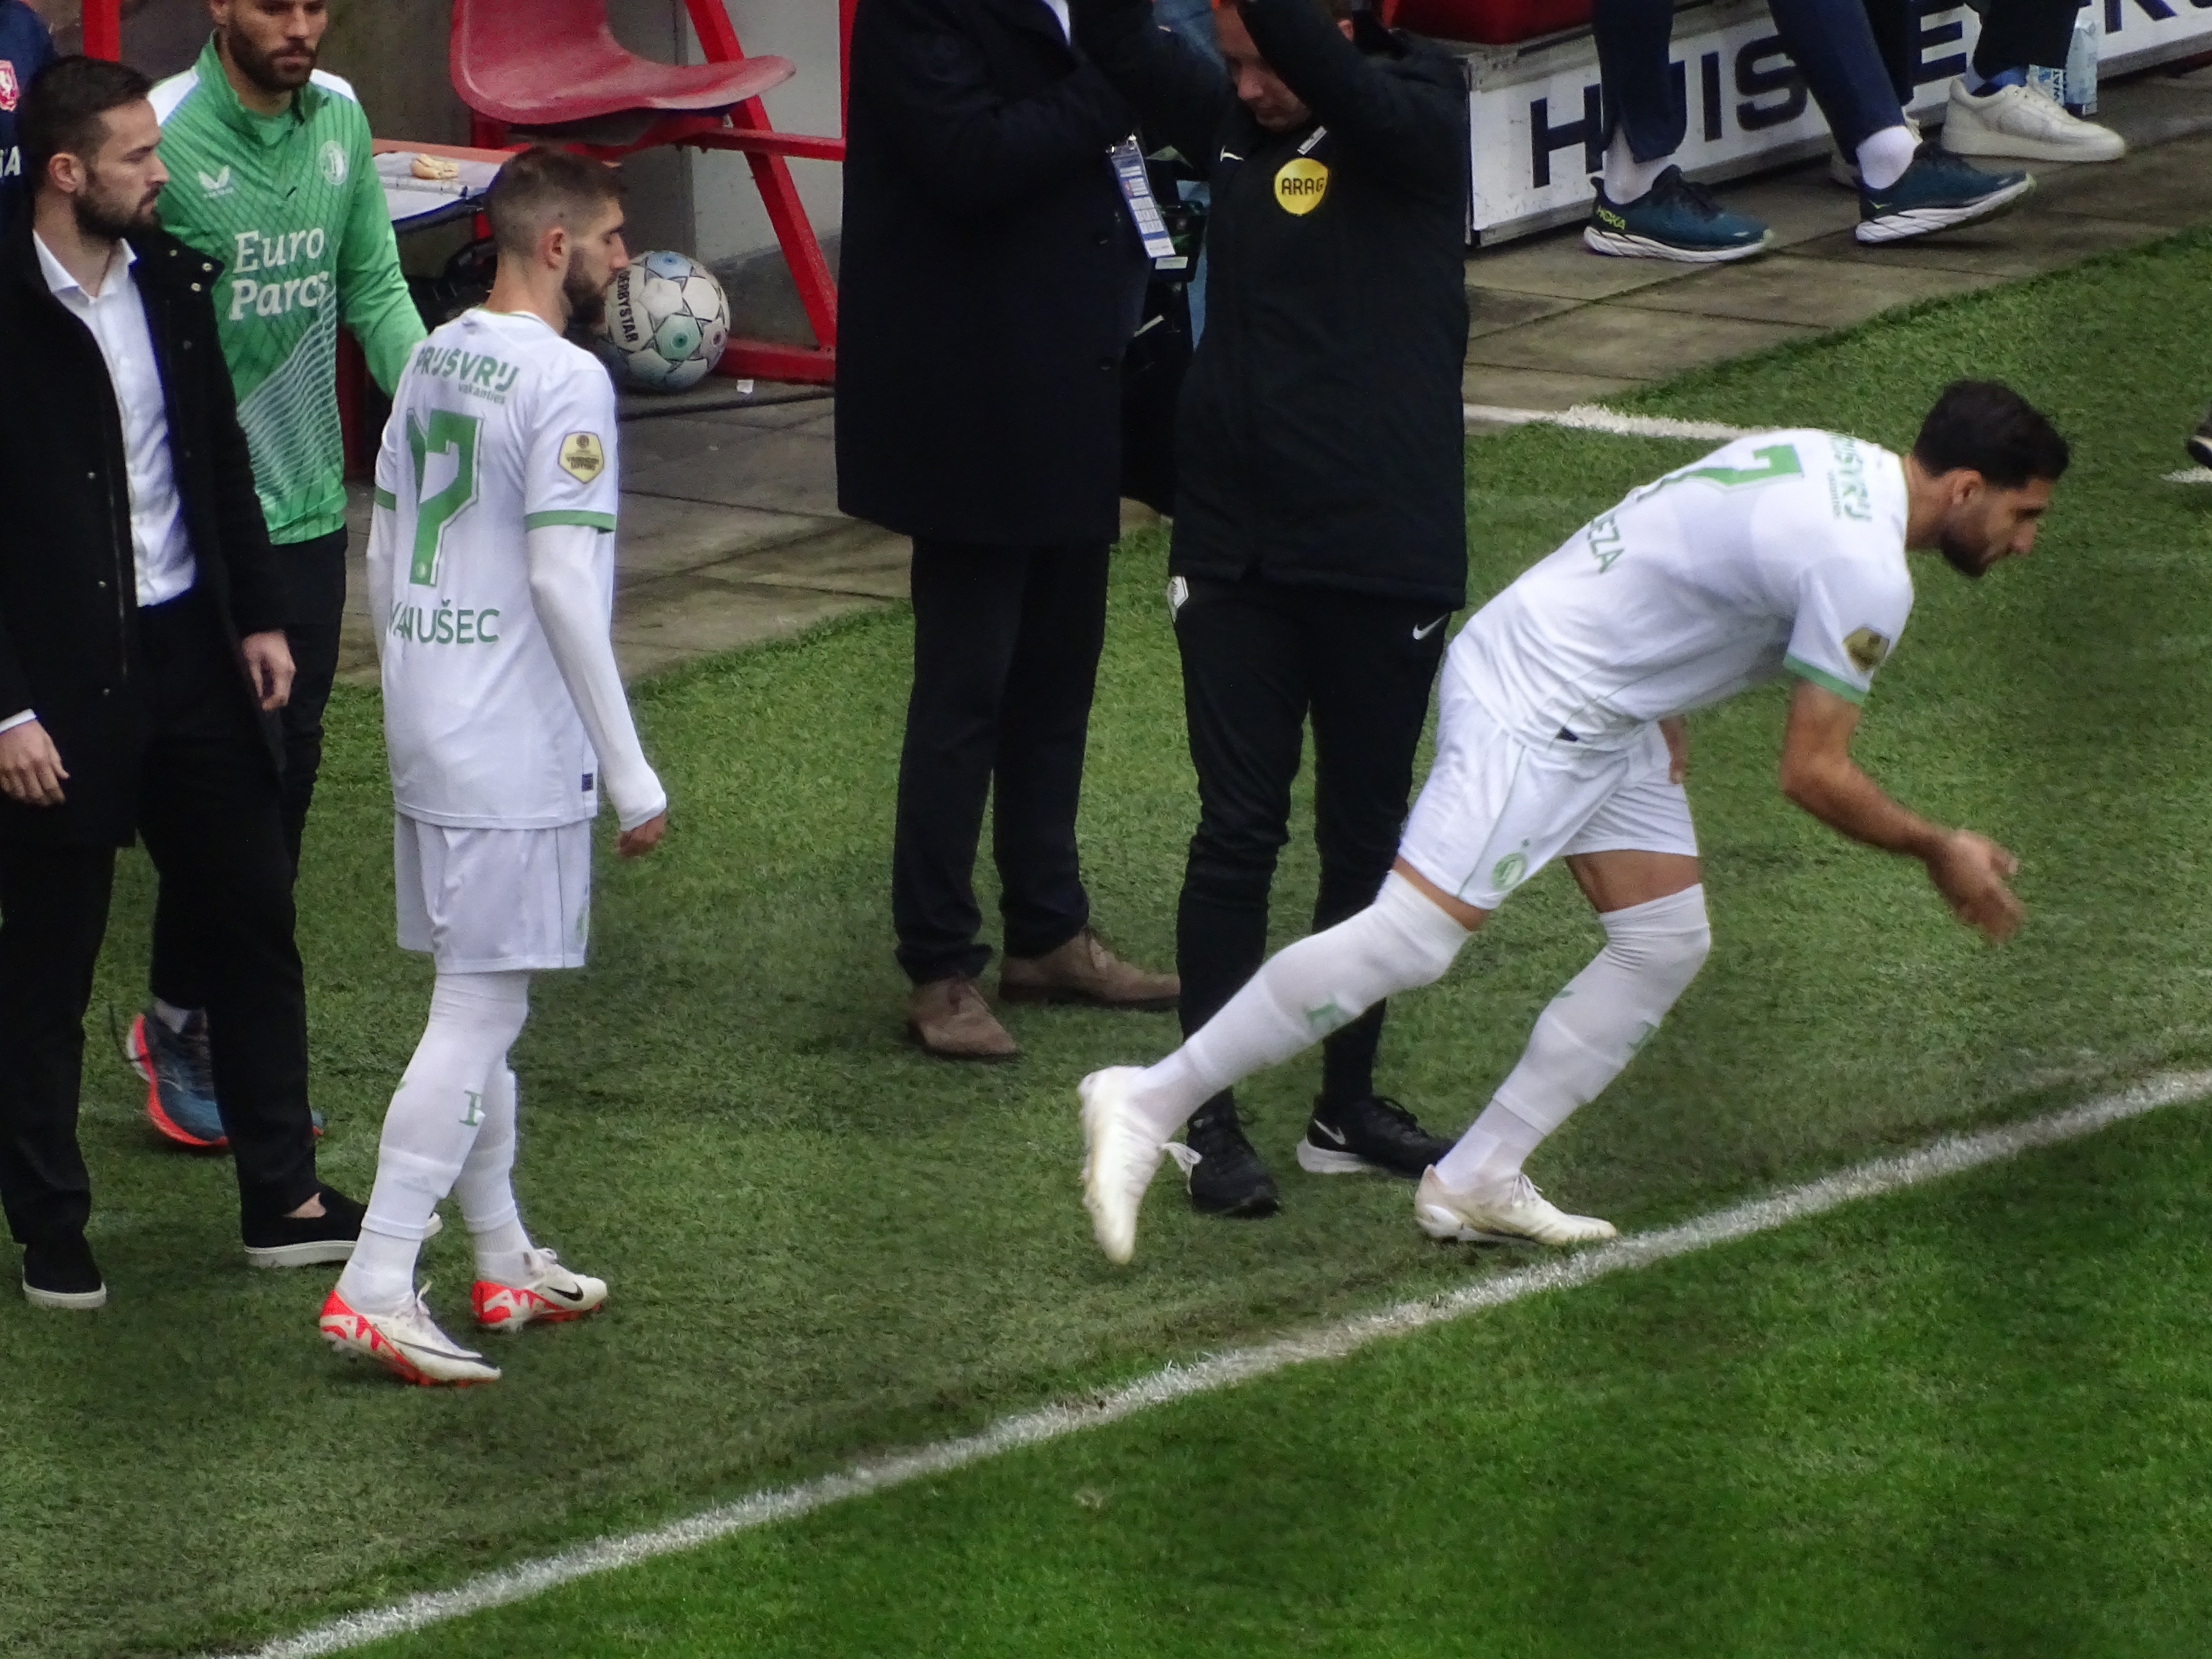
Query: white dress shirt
point(160, 548)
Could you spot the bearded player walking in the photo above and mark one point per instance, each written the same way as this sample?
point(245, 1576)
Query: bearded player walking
point(491, 574)
point(1783, 553)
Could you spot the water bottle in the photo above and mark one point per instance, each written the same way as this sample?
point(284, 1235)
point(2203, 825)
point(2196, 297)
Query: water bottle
point(2082, 61)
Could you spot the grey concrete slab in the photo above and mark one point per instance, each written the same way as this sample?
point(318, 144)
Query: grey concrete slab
point(777, 471)
point(716, 392)
point(1490, 309)
point(1559, 265)
point(1623, 344)
point(1797, 206)
point(2171, 186)
point(660, 535)
point(2021, 244)
point(1814, 292)
point(694, 614)
point(1538, 388)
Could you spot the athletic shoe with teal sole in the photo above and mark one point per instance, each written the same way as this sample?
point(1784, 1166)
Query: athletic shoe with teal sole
point(1673, 220)
point(1938, 192)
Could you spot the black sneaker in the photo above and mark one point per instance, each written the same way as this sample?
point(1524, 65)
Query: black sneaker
point(1229, 1179)
point(60, 1273)
point(2199, 442)
point(1372, 1133)
point(1937, 191)
point(309, 1240)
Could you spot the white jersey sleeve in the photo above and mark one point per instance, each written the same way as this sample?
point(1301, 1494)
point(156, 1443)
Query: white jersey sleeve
point(571, 478)
point(1851, 612)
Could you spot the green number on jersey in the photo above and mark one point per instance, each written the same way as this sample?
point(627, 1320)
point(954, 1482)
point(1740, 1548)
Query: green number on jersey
point(1776, 461)
point(444, 431)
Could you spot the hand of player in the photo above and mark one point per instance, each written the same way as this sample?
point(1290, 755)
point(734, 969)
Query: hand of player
point(1676, 731)
point(31, 769)
point(1971, 871)
point(636, 843)
point(268, 661)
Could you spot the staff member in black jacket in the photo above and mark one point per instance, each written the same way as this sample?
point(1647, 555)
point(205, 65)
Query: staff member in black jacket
point(1320, 535)
point(141, 641)
point(991, 281)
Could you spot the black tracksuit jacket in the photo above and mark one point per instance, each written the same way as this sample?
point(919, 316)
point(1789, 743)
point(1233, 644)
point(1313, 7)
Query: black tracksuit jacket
point(1320, 439)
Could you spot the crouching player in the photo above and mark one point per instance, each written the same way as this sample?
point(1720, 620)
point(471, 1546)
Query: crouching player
point(1784, 552)
point(491, 568)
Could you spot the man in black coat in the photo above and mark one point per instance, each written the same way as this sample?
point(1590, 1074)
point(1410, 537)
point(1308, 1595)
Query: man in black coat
point(141, 645)
point(991, 279)
point(1321, 534)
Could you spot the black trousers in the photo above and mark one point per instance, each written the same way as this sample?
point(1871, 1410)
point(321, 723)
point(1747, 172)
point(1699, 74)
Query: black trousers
point(2016, 33)
point(315, 576)
point(209, 812)
point(1005, 658)
point(1259, 657)
point(1831, 41)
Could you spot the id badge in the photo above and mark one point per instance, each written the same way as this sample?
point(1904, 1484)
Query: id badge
point(1137, 191)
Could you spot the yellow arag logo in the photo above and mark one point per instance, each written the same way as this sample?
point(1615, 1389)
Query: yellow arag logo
point(1301, 184)
point(582, 456)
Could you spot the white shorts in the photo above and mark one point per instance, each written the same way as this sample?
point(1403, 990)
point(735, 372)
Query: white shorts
point(1496, 810)
point(494, 900)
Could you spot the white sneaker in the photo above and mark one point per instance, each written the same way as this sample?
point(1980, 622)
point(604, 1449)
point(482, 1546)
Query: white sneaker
point(1844, 169)
point(2024, 121)
point(407, 1343)
point(1511, 1212)
point(549, 1293)
point(1119, 1158)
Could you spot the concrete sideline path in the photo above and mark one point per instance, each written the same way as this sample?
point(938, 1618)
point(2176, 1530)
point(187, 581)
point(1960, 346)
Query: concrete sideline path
point(731, 534)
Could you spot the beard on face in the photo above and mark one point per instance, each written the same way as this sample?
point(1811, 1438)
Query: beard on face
point(587, 298)
point(101, 218)
point(263, 69)
point(1969, 557)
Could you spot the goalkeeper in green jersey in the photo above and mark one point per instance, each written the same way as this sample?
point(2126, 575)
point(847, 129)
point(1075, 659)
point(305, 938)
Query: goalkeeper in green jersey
point(270, 173)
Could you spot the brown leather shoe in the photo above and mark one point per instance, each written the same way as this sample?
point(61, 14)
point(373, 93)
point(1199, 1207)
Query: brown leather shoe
point(950, 1018)
point(1085, 970)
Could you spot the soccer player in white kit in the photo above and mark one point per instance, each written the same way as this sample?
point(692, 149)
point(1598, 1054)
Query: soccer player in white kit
point(491, 572)
point(1783, 553)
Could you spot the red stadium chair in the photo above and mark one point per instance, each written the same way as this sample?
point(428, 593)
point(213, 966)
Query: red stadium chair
point(548, 65)
point(1491, 23)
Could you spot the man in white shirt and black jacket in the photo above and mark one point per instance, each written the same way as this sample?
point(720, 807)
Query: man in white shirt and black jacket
point(1320, 542)
point(141, 644)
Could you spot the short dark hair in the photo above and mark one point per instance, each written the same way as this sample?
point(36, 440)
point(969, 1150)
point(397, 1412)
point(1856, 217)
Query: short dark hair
point(1986, 426)
point(64, 109)
point(542, 186)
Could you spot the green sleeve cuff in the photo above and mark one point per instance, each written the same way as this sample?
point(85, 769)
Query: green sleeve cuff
point(1824, 679)
point(385, 498)
point(590, 520)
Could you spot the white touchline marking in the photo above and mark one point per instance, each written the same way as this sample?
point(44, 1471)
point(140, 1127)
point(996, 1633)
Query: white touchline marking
point(1594, 417)
point(2190, 475)
point(1948, 1155)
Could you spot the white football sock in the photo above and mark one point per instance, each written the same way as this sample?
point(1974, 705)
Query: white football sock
point(485, 1187)
point(1883, 158)
point(1302, 993)
point(379, 1274)
point(432, 1123)
point(1626, 179)
point(1589, 1033)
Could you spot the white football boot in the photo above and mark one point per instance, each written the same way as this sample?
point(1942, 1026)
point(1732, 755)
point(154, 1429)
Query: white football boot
point(549, 1293)
point(1119, 1158)
point(407, 1343)
point(2024, 121)
point(1512, 1212)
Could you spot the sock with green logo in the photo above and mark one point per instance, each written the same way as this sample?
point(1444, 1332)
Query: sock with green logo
point(485, 1187)
point(1590, 1031)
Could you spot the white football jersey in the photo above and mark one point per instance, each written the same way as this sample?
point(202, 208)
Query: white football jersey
point(498, 426)
point(1784, 550)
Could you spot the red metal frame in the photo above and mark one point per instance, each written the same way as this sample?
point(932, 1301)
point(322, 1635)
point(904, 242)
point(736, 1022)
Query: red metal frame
point(748, 129)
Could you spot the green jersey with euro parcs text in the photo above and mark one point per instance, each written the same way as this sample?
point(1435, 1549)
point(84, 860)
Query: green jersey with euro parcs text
point(292, 207)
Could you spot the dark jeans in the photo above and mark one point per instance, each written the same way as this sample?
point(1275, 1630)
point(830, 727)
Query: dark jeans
point(208, 810)
point(1831, 41)
point(1258, 658)
point(1006, 657)
point(315, 576)
point(2016, 33)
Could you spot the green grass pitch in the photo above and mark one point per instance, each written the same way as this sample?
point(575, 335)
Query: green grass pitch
point(1967, 1420)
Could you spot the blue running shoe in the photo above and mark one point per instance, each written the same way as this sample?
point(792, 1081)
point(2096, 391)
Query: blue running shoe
point(180, 1072)
point(1673, 220)
point(1937, 191)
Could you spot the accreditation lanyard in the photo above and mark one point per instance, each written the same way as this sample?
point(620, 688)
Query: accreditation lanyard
point(1137, 191)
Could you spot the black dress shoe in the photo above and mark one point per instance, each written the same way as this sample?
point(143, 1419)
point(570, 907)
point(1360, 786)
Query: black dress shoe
point(60, 1273)
point(1228, 1178)
point(306, 1241)
point(1372, 1133)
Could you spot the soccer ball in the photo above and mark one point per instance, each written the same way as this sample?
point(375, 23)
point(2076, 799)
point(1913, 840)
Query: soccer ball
point(666, 321)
